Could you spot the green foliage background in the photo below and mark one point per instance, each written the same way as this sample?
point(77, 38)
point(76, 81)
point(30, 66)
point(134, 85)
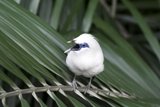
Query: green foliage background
point(33, 35)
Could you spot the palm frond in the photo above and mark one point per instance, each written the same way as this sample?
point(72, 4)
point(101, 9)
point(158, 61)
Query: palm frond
point(32, 59)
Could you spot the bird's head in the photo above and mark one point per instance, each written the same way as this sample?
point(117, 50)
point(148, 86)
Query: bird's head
point(84, 42)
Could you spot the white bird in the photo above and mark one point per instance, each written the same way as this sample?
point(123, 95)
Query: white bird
point(85, 58)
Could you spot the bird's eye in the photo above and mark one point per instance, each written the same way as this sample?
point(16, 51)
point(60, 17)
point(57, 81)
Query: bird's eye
point(85, 45)
point(77, 47)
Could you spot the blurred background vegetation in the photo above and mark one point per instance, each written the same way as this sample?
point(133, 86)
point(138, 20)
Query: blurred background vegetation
point(33, 35)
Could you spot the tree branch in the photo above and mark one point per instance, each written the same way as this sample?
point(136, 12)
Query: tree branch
point(64, 88)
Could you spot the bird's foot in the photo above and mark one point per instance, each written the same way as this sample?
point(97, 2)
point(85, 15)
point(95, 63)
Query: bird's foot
point(87, 88)
point(89, 85)
point(74, 85)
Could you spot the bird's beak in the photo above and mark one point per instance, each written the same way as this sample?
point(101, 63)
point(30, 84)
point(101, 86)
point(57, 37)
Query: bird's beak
point(69, 48)
point(70, 41)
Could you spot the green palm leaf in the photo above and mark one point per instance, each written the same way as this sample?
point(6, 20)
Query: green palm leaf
point(32, 59)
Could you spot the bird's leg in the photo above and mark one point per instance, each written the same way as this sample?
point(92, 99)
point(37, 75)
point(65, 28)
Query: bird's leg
point(89, 85)
point(74, 84)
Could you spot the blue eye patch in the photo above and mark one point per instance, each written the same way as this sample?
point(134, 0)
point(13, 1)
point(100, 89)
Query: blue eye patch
point(77, 47)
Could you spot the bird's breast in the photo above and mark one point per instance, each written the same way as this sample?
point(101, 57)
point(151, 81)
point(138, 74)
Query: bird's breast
point(85, 62)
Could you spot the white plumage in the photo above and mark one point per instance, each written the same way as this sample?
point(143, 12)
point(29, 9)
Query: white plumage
point(85, 57)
